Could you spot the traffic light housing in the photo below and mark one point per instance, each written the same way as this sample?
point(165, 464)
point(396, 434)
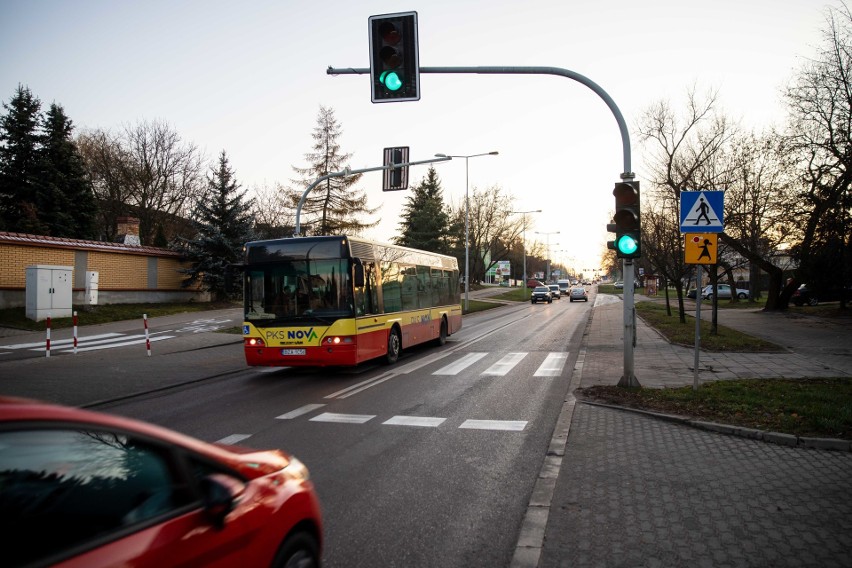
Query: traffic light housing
point(394, 59)
point(627, 221)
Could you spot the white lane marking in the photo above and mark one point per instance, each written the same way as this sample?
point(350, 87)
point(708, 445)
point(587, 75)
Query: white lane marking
point(507, 425)
point(363, 385)
point(505, 364)
point(299, 411)
point(552, 365)
point(428, 421)
point(460, 365)
point(234, 439)
point(343, 418)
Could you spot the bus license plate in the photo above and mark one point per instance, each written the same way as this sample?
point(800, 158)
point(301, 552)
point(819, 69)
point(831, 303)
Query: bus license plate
point(292, 351)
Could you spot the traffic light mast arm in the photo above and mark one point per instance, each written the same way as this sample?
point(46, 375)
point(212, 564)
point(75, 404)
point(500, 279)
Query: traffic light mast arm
point(622, 125)
point(348, 172)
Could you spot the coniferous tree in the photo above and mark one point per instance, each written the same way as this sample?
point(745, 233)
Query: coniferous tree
point(334, 206)
point(19, 143)
point(66, 200)
point(223, 225)
point(425, 220)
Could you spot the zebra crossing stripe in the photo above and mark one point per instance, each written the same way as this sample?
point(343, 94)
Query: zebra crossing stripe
point(56, 342)
point(429, 421)
point(505, 364)
point(233, 439)
point(552, 365)
point(460, 365)
point(507, 425)
point(299, 411)
point(343, 418)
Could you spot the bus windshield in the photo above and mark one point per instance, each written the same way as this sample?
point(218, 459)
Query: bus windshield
point(298, 290)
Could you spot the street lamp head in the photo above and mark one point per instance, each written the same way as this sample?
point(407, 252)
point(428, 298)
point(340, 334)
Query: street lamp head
point(493, 153)
point(442, 156)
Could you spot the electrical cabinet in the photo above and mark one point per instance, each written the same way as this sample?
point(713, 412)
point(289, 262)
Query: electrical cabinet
point(48, 292)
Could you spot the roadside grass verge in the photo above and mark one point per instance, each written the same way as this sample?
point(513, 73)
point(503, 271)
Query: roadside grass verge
point(817, 407)
point(726, 339)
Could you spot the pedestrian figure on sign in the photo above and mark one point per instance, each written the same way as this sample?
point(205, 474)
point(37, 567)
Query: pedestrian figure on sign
point(703, 208)
point(705, 250)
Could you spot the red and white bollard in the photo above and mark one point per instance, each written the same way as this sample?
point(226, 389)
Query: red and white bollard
point(47, 344)
point(75, 332)
point(147, 338)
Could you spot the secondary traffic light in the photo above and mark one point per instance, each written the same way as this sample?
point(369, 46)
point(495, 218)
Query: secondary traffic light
point(626, 223)
point(394, 59)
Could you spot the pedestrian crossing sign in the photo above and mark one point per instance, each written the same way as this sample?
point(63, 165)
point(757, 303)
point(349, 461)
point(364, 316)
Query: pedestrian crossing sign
point(702, 211)
point(700, 248)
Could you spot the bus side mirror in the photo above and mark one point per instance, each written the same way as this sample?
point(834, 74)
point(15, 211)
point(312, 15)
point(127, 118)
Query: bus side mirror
point(358, 275)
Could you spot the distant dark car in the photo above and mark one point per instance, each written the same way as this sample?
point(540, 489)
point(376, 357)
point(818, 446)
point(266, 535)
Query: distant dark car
point(84, 488)
point(805, 294)
point(541, 294)
point(578, 293)
point(692, 293)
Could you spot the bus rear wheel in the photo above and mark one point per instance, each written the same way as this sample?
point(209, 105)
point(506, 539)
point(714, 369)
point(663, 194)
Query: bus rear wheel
point(394, 347)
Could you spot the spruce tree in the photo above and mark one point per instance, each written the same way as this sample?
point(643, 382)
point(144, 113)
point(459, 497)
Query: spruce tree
point(223, 224)
point(425, 221)
point(19, 143)
point(67, 202)
point(335, 206)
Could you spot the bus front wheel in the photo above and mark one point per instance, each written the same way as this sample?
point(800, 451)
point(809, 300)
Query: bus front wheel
point(394, 347)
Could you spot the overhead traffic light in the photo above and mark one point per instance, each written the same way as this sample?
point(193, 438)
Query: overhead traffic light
point(394, 60)
point(626, 223)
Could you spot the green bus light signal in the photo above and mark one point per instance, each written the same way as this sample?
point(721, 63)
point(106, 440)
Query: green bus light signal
point(391, 80)
point(626, 244)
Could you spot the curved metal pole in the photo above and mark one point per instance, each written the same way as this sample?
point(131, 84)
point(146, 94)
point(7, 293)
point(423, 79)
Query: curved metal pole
point(622, 125)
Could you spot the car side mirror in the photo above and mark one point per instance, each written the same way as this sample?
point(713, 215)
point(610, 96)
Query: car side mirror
point(219, 493)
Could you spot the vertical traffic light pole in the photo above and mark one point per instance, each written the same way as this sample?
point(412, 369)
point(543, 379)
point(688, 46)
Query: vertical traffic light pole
point(629, 377)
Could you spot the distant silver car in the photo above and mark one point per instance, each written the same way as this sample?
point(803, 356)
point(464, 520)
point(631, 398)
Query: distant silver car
point(724, 291)
point(555, 291)
point(578, 293)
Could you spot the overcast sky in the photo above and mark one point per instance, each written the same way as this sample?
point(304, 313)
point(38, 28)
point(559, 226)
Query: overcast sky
point(249, 77)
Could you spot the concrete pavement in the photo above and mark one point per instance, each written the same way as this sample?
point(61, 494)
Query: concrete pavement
point(624, 488)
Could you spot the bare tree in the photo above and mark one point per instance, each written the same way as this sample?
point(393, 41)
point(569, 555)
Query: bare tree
point(684, 154)
point(819, 101)
point(491, 229)
point(163, 174)
point(273, 212)
point(146, 171)
point(102, 158)
point(758, 207)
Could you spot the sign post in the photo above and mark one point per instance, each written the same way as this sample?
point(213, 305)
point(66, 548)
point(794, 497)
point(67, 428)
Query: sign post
point(700, 211)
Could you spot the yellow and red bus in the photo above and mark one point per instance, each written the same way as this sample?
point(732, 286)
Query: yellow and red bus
point(339, 301)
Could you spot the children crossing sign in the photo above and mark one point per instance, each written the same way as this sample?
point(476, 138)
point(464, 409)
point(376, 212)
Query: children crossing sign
point(702, 211)
point(700, 248)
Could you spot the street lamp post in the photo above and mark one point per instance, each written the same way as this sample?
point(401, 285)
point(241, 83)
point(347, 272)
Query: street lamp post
point(524, 239)
point(467, 223)
point(548, 250)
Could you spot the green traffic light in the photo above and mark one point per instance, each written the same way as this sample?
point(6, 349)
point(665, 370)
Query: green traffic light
point(391, 80)
point(626, 244)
